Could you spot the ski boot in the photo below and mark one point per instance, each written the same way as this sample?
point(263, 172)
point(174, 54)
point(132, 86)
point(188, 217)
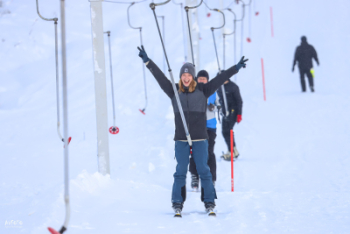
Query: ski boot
point(178, 209)
point(226, 156)
point(194, 182)
point(235, 152)
point(209, 208)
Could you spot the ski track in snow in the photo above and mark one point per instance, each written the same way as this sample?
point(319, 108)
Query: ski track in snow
point(293, 172)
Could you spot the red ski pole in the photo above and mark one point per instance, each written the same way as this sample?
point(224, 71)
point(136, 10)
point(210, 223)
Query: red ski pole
point(232, 179)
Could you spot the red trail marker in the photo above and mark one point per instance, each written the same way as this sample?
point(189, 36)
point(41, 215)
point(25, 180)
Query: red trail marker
point(263, 77)
point(271, 16)
point(232, 168)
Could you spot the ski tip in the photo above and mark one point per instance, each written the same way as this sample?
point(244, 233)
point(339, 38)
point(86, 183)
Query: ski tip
point(177, 216)
point(142, 111)
point(212, 214)
point(52, 231)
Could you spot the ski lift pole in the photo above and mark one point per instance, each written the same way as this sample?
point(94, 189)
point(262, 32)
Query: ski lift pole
point(65, 122)
point(113, 129)
point(183, 29)
point(224, 47)
point(234, 32)
point(189, 29)
point(143, 67)
point(217, 58)
point(153, 7)
point(57, 68)
point(163, 34)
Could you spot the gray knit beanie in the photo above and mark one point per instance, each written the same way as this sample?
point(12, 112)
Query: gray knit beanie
point(188, 68)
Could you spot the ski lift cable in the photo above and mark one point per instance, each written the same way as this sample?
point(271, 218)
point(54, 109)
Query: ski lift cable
point(121, 2)
point(183, 29)
point(189, 30)
point(57, 69)
point(143, 67)
point(153, 7)
point(216, 52)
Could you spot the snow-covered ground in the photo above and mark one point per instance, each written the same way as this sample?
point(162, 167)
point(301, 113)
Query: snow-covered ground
point(293, 175)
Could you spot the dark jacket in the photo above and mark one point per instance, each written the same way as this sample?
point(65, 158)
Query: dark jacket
point(304, 54)
point(193, 104)
point(233, 97)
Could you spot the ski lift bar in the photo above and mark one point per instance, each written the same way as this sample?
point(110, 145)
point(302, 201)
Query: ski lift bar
point(143, 67)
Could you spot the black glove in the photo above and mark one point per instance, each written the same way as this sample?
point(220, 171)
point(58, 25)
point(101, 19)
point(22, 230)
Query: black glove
point(143, 54)
point(293, 69)
point(211, 107)
point(241, 63)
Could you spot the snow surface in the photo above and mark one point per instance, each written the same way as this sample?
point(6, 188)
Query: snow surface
point(293, 175)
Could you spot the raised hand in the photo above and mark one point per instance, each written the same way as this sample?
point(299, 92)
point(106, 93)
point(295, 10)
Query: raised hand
point(241, 63)
point(143, 54)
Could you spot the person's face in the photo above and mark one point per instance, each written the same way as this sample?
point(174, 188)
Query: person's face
point(186, 79)
point(202, 79)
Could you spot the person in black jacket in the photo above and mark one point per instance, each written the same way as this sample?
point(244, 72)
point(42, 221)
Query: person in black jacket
point(304, 55)
point(193, 97)
point(234, 106)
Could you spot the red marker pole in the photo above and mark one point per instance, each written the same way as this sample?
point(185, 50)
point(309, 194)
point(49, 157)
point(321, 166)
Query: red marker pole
point(263, 77)
point(271, 16)
point(232, 179)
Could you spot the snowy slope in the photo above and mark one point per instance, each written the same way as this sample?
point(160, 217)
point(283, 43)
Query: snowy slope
point(293, 174)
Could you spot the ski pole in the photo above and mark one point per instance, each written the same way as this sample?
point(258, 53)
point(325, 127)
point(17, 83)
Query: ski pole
point(143, 67)
point(65, 122)
point(189, 30)
point(113, 129)
point(183, 29)
point(217, 57)
point(153, 7)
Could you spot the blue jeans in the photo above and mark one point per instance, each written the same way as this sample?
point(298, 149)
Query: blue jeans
point(200, 156)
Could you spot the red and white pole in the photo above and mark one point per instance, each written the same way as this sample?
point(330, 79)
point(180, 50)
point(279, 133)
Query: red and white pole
point(263, 77)
point(271, 16)
point(232, 168)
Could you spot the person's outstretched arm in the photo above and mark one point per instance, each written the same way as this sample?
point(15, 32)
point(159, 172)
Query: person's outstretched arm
point(315, 56)
point(163, 82)
point(210, 87)
point(295, 59)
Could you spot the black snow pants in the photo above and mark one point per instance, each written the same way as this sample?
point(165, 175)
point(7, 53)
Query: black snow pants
point(306, 71)
point(227, 124)
point(211, 155)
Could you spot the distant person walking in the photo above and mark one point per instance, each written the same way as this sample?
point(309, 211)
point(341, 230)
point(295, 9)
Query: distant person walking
point(234, 106)
point(303, 55)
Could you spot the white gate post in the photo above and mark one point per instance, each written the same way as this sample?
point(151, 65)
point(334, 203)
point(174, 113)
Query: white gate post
point(100, 86)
